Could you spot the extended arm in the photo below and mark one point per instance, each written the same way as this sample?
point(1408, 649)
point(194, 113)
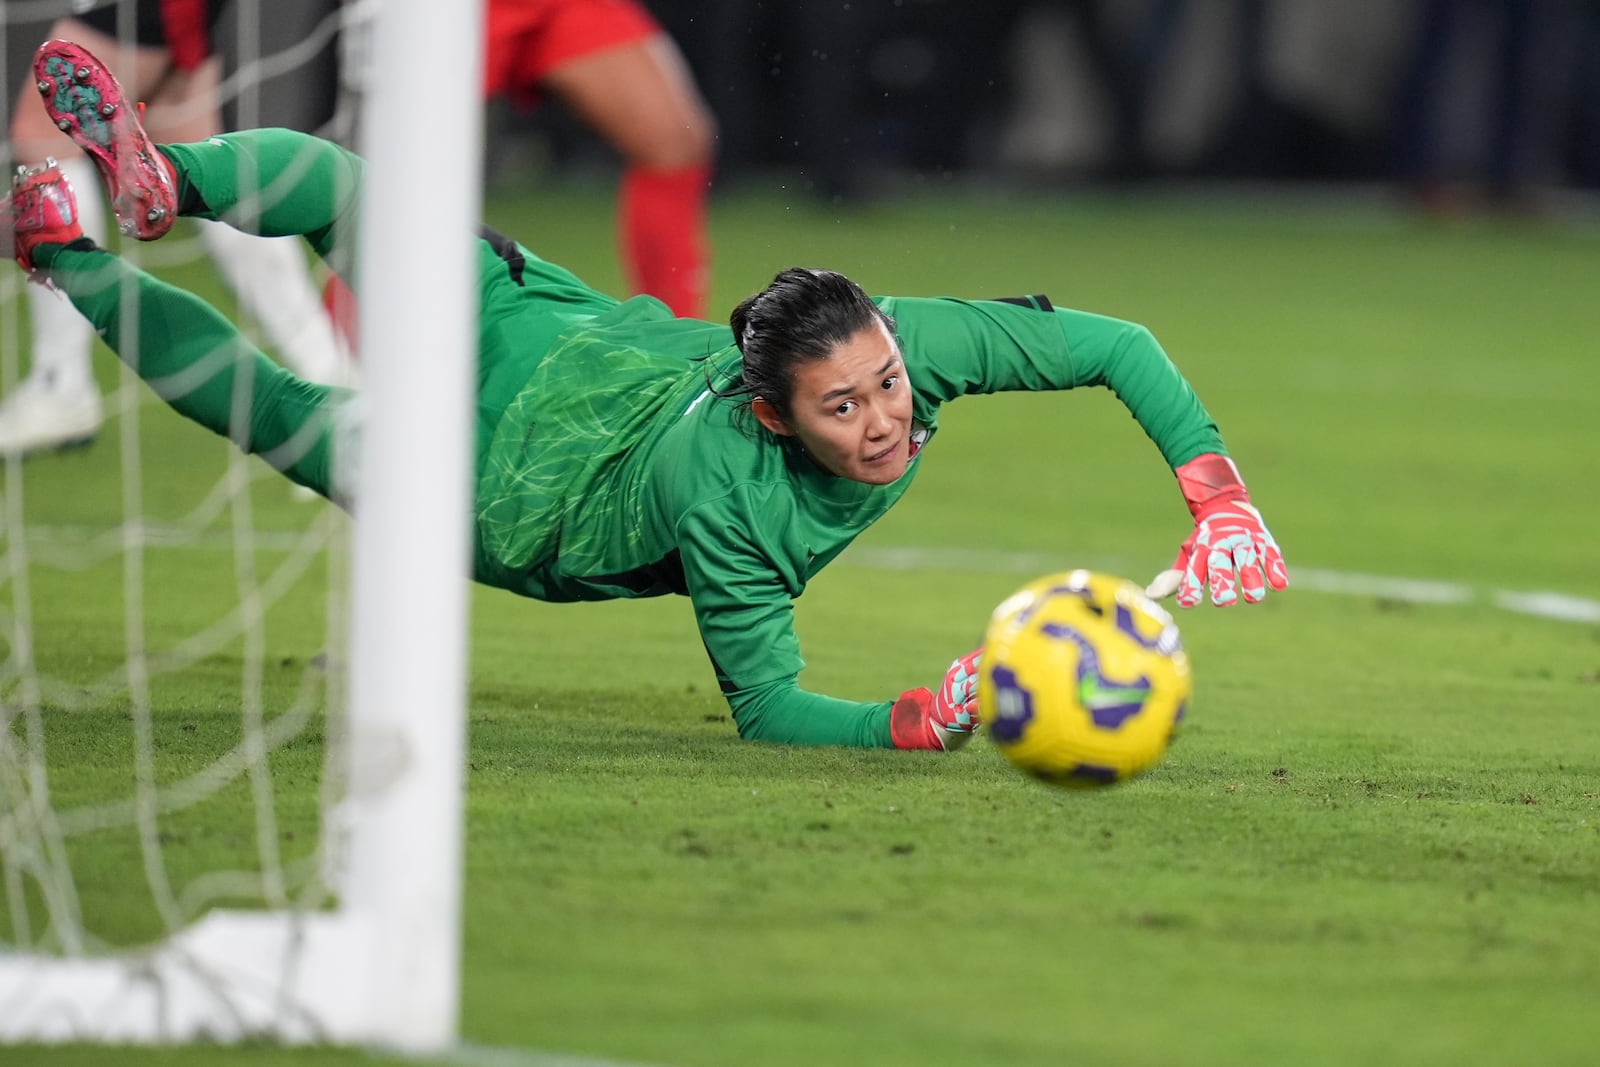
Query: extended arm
point(959, 348)
point(743, 584)
point(1230, 553)
point(956, 348)
point(918, 718)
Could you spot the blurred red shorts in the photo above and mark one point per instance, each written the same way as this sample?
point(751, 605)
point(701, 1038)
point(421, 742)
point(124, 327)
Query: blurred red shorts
point(530, 38)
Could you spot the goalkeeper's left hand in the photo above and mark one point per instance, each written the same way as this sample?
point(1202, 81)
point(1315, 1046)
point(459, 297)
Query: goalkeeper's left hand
point(1230, 551)
point(943, 720)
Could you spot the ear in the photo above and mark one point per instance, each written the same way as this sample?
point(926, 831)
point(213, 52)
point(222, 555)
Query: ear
point(768, 416)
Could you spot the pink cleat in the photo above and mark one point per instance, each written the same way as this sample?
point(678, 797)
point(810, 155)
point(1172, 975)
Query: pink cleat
point(43, 211)
point(87, 105)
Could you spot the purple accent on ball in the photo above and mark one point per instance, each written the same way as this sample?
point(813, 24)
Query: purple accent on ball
point(1064, 632)
point(1183, 709)
point(1013, 706)
point(1044, 598)
point(1126, 624)
point(1113, 717)
point(1109, 716)
point(1166, 642)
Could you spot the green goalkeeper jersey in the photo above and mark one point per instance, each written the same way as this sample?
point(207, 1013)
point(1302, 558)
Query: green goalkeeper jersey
point(608, 465)
point(617, 470)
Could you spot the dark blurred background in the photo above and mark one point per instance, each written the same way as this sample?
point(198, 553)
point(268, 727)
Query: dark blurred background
point(1457, 103)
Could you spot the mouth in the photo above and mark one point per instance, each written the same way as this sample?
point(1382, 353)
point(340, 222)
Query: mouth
point(886, 454)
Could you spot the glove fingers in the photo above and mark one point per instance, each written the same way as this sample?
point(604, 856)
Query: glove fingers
point(1233, 555)
point(1252, 583)
point(961, 680)
point(1186, 550)
point(1277, 572)
point(1221, 578)
point(966, 717)
point(960, 689)
point(1191, 588)
point(1233, 565)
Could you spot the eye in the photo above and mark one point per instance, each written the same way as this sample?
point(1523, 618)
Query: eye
point(846, 408)
point(890, 382)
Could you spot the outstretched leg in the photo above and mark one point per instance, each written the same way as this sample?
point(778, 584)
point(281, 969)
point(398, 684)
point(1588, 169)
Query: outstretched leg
point(271, 182)
point(276, 183)
point(58, 403)
point(188, 352)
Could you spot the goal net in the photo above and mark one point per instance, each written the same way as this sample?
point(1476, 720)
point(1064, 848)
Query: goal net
point(231, 717)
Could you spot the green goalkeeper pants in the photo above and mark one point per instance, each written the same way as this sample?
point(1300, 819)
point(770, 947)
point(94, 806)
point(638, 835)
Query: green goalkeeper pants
point(280, 183)
point(273, 182)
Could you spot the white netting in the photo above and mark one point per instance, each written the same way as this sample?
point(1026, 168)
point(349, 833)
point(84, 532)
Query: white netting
point(173, 616)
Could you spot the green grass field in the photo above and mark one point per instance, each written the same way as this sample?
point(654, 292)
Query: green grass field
point(1377, 840)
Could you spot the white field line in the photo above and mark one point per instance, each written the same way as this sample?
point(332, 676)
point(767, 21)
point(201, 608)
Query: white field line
point(49, 544)
point(1544, 604)
point(470, 1055)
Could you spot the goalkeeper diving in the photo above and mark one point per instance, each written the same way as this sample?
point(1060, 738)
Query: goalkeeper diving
point(622, 452)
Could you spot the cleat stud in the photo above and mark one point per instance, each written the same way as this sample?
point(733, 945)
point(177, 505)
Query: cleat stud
point(155, 214)
point(64, 125)
point(43, 85)
point(107, 110)
point(125, 228)
point(82, 74)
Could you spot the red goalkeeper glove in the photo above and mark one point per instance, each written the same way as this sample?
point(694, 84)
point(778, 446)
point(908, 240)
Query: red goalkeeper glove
point(1230, 552)
point(946, 719)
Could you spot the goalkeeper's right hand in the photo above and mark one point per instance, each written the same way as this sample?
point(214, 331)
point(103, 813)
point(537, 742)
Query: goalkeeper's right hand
point(943, 720)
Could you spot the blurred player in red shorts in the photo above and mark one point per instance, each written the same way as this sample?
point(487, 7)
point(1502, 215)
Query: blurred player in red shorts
point(618, 71)
point(611, 63)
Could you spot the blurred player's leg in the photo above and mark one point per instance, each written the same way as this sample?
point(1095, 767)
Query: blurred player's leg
point(270, 276)
point(639, 97)
point(58, 403)
point(614, 67)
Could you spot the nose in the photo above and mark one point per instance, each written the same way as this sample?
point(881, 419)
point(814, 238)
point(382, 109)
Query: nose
point(879, 422)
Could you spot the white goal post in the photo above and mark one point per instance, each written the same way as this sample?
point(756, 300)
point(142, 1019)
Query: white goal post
point(382, 966)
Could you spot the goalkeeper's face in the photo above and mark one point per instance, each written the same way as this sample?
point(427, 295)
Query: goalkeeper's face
point(851, 411)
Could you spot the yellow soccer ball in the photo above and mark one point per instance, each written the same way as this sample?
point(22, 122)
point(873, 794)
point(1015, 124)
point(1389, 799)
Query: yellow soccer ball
point(1083, 680)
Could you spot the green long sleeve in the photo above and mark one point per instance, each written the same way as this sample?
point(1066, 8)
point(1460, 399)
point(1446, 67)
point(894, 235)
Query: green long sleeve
point(1127, 359)
point(960, 348)
point(783, 713)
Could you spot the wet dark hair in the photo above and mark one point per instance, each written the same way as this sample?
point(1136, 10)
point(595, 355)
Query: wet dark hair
point(803, 315)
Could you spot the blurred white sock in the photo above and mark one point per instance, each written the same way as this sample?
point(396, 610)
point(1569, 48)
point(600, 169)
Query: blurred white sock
point(273, 282)
point(62, 338)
